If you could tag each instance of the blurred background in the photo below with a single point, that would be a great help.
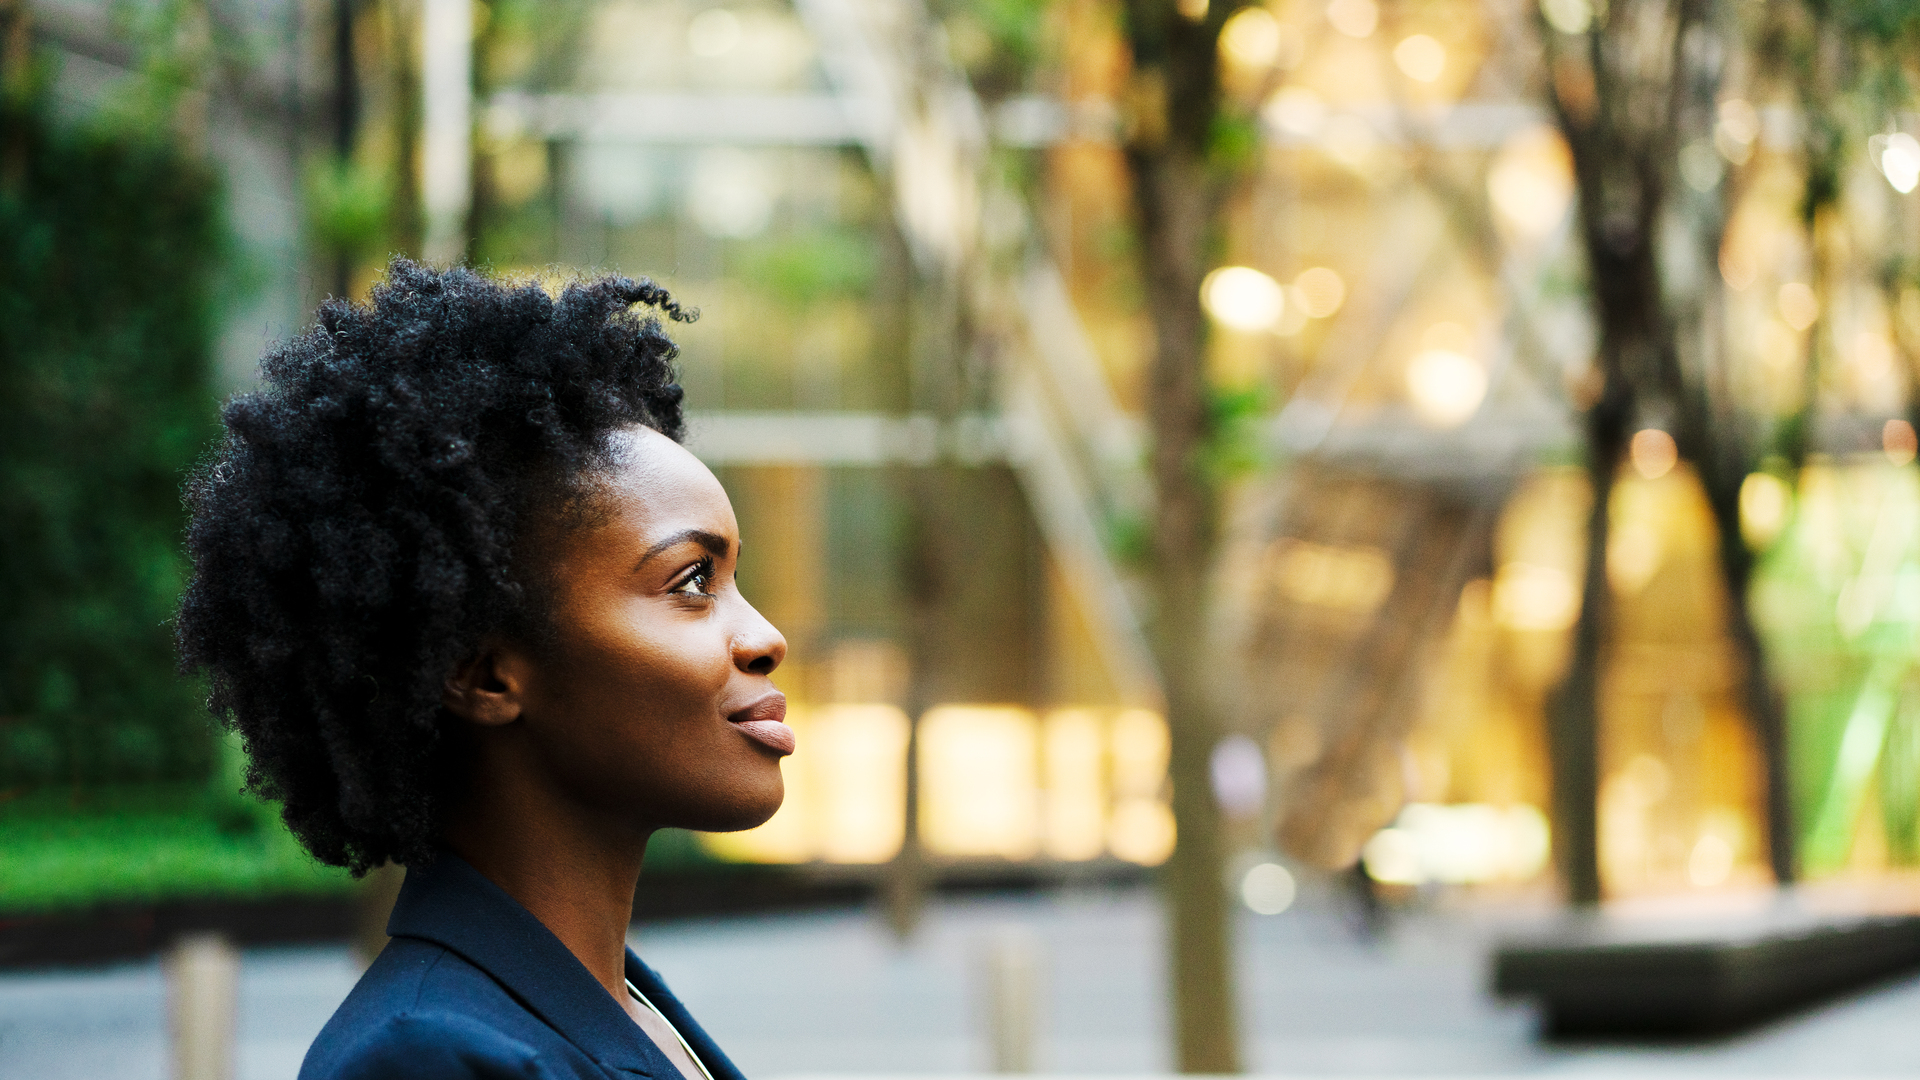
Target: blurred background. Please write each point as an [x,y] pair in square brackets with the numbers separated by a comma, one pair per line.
[1250,489]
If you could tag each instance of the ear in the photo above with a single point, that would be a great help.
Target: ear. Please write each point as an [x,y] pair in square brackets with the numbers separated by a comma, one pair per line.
[490,689]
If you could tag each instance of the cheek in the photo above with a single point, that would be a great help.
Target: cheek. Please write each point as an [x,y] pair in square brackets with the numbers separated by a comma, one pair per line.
[635,727]
[647,695]
[635,658]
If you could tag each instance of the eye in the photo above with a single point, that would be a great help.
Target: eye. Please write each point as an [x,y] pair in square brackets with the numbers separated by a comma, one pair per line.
[697,580]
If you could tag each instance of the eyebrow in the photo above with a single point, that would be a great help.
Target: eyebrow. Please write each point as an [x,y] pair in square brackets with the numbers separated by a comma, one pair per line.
[713,542]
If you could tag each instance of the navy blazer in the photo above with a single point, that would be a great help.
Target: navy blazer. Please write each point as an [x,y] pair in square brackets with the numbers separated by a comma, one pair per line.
[473,986]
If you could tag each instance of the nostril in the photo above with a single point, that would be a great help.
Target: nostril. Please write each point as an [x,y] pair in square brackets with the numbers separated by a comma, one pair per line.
[761,665]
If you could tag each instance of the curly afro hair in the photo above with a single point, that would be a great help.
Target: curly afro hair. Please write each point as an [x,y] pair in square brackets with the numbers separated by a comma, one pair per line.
[353,538]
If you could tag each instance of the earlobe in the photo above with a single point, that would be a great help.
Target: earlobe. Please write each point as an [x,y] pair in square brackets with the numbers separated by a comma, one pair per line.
[487,689]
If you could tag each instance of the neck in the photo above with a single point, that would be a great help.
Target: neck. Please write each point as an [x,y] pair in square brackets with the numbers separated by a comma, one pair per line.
[570,867]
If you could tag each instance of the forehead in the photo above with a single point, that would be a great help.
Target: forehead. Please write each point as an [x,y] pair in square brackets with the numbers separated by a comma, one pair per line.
[657,486]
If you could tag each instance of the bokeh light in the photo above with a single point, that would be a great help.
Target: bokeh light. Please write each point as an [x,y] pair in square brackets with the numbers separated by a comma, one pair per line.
[1252,38]
[1897,441]
[1075,801]
[1243,298]
[1653,453]
[1141,829]
[1350,140]
[1459,844]
[1239,773]
[979,781]
[1736,129]
[1528,596]
[1798,306]
[1354,18]
[1355,578]
[1296,110]
[1446,386]
[1898,156]
[1531,181]
[860,781]
[1568,16]
[1710,863]
[1268,888]
[1420,58]
[1765,501]
[1321,291]
[1635,552]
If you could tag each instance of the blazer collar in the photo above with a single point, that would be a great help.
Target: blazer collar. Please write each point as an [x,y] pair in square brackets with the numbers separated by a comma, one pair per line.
[450,903]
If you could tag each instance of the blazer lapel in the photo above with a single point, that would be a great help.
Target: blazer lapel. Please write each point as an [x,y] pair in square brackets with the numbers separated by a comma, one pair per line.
[710,1054]
[452,904]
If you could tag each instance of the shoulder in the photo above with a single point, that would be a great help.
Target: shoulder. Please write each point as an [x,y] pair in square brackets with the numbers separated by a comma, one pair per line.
[423,1011]
[431,1046]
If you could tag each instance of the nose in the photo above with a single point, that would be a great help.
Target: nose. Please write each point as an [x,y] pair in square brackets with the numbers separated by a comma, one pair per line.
[758,646]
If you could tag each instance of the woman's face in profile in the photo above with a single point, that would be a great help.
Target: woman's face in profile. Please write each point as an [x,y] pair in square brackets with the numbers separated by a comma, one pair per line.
[655,703]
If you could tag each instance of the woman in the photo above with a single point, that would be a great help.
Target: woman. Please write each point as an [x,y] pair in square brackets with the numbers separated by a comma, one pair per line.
[472,609]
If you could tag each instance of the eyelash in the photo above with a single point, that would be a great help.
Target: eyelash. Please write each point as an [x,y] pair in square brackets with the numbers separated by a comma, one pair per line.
[702,572]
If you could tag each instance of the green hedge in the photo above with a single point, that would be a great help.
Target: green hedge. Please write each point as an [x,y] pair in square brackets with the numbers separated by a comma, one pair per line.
[111,255]
[70,860]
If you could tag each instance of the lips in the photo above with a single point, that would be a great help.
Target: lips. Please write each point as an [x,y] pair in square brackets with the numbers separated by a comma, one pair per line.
[764,721]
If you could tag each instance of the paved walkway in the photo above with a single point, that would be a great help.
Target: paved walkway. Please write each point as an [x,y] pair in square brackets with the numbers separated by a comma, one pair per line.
[832,992]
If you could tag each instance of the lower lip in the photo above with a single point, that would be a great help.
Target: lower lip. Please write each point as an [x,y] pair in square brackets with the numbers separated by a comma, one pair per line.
[769,733]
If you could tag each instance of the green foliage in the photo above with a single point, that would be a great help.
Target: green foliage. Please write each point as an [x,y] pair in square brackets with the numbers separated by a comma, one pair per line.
[999,42]
[532,43]
[1883,21]
[1853,695]
[1015,25]
[1900,785]
[1233,143]
[110,244]
[1236,424]
[175,45]
[1792,436]
[1130,541]
[1848,62]
[810,267]
[348,206]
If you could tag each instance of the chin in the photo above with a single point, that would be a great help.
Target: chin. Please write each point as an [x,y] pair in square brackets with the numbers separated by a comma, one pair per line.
[744,809]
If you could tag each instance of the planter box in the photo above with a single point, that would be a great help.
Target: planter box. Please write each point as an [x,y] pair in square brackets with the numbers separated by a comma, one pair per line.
[1601,977]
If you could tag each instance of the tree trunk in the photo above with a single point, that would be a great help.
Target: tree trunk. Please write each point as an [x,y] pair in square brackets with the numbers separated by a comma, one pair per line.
[1174,199]
[346,119]
[1710,438]
[1573,711]
[483,196]
[405,226]
[1713,434]
[1614,98]
[1173,109]
[1766,710]
[1625,104]
[904,886]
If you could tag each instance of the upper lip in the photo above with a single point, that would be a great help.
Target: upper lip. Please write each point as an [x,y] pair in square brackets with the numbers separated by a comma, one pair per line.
[771,705]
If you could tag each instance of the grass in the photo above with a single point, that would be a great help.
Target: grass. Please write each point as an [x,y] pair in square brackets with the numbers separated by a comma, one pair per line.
[145,846]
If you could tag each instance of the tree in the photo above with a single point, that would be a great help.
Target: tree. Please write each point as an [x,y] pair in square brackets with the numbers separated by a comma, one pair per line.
[1183,155]
[1634,87]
